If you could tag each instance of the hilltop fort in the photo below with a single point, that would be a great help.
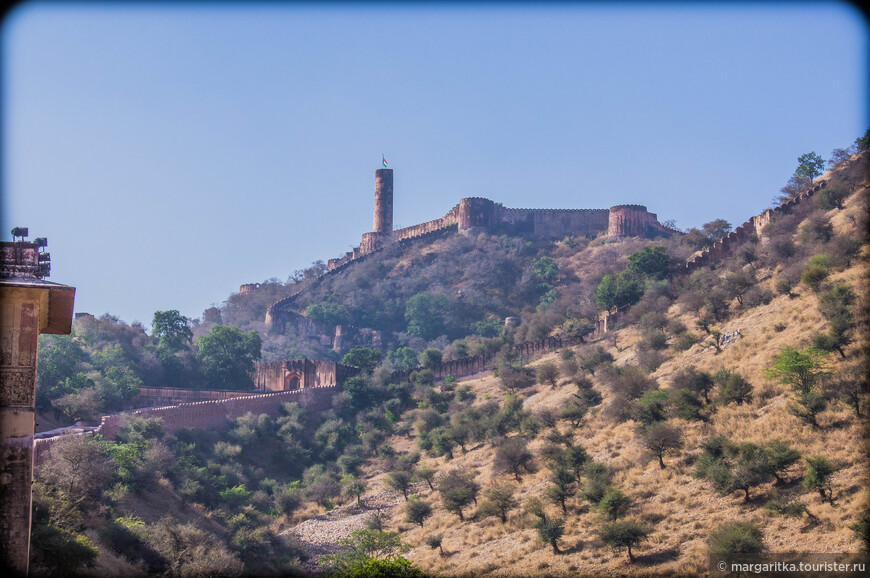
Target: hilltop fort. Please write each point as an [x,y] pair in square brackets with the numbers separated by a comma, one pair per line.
[470,216]
[475,214]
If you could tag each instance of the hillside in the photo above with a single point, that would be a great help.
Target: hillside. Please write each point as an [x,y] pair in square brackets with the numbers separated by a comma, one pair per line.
[565,439]
[681,509]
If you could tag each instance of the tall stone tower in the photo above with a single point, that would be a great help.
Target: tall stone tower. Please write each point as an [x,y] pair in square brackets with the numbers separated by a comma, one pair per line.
[383,201]
[29,305]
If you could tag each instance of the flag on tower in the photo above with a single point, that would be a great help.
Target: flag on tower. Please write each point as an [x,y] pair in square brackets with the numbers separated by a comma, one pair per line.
[383,160]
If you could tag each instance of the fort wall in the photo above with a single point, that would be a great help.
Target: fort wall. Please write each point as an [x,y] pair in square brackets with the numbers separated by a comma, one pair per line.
[154,396]
[550,223]
[753,229]
[203,414]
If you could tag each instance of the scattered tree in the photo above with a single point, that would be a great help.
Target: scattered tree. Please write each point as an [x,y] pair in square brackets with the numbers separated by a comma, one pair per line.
[547,372]
[172,330]
[563,486]
[228,356]
[399,481]
[852,386]
[731,467]
[458,490]
[815,272]
[425,314]
[651,261]
[434,541]
[835,305]
[661,438]
[597,482]
[861,528]
[810,166]
[624,534]
[614,504]
[802,369]
[430,357]
[732,387]
[550,530]
[417,510]
[818,478]
[364,358]
[498,501]
[513,456]
[425,473]
[352,486]
[780,457]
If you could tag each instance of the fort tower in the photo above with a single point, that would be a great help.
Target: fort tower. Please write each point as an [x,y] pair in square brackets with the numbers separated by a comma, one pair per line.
[383,201]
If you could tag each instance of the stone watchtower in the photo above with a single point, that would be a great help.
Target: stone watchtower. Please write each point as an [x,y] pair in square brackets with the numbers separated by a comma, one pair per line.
[29,305]
[383,225]
[383,201]
[630,221]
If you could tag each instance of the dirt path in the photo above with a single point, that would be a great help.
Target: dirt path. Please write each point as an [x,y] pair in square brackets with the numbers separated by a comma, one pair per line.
[321,534]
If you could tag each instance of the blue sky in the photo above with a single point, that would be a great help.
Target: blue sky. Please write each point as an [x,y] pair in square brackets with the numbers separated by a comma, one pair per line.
[172,152]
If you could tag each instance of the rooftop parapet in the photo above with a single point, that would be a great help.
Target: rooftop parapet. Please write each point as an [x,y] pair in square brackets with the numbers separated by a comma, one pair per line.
[24,259]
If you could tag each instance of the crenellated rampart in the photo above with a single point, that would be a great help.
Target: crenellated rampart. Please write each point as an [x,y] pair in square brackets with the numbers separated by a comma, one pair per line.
[485,362]
[203,414]
[281,313]
[748,231]
[151,396]
[421,229]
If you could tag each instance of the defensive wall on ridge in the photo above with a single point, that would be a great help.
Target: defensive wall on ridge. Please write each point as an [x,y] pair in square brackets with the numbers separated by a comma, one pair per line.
[748,231]
[203,414]
[480,214]
[153,396]
[267,377]
[484,362]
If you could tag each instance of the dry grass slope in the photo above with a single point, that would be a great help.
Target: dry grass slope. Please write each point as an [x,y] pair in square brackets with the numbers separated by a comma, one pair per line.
[682,509]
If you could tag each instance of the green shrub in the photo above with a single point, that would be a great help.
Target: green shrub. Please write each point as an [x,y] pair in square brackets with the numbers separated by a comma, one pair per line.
[782,505]
[815,272]
[684,341]
[61,551]
[614,504]
[861,528]
[818,477]
[736,538]
[236,496]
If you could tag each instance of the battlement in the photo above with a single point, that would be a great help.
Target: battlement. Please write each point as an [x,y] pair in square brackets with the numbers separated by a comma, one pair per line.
[750,230]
